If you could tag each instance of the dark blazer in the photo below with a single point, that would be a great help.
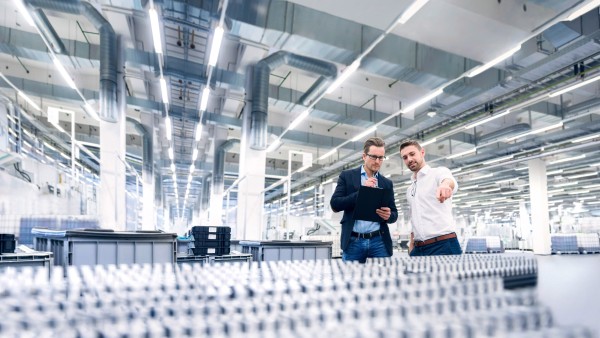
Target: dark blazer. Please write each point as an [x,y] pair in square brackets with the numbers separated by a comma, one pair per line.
[344,199]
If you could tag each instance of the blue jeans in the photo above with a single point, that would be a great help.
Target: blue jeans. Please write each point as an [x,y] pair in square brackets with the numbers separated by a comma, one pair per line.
[447,247]
[359,249]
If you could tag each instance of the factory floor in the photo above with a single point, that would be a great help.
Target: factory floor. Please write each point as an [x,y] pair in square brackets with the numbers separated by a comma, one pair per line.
[569,285]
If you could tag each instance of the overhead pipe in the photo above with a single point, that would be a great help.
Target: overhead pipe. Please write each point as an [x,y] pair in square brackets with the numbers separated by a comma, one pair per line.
[108,50]
[147,158]
[205,192]
[219,165]
[260,95]
[42,22]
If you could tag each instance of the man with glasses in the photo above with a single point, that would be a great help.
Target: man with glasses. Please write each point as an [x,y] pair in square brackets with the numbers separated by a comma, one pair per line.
[362,239]
[430,201]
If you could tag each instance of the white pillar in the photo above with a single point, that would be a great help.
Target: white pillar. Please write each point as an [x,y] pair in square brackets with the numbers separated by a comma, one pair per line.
[215,213]
[148,188]
[251,199]
[112,174]
[112,211]
[538,194]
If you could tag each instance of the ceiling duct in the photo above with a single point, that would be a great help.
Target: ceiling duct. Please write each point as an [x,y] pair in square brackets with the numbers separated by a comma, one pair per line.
[219,165]
[108,50]
[205,192]
[511,130]
[260,97]
[41,21]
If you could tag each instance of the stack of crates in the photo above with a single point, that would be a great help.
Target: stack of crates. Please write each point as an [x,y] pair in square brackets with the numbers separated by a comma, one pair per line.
[564,244]
[7,243]
[214,241]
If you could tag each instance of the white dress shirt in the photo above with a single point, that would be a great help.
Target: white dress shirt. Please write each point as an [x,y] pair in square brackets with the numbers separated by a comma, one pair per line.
[429,217]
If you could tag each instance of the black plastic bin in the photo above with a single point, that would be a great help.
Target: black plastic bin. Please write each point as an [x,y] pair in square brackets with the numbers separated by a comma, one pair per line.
[7,243]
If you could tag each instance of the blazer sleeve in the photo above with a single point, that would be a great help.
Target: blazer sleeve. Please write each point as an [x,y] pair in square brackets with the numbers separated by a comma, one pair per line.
[392,203]
[343,199]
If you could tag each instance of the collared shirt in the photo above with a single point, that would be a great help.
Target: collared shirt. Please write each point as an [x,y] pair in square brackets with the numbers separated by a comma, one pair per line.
[429,217]
[365,226]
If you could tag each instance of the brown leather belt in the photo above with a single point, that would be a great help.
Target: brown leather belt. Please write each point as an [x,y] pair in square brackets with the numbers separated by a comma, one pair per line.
[436,239]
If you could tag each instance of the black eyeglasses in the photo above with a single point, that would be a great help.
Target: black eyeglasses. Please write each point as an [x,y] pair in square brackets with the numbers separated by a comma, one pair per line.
[375,157]
[413,189]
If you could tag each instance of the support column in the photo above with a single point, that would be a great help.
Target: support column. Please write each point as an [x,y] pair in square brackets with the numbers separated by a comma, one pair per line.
[112,174]
[216,197]
[112,211]
[148,189]
[251,198]
[540,219]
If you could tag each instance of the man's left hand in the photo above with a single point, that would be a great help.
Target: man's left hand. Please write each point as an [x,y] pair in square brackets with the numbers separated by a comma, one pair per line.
[384,213]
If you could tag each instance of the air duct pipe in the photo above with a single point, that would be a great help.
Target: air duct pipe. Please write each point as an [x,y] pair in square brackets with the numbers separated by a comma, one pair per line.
[41,21]
[108,50]
[260,96]
[219,165]
[147,158]
[205,192]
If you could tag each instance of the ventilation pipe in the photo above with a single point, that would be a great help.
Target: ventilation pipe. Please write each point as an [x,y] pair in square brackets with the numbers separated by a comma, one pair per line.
[108,50]
[205,192]
[41,21]
[219,165]
[260,96]
[147,158]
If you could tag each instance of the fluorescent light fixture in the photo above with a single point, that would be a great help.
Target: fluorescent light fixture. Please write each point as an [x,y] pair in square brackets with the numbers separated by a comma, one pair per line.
[585,138]
[155,30]
[480,177]
[63,72]
[508,180]
[596,202]
[567,159]
[592,186]
[298,119]
[574,86]
[216,46]
[190,177]
[537,131]
[566,184]
[480,69]
[192,168]
[170,153]
[553,172]
[274,145]
[169,127]
[195,154]
[470,187]
[470,151]
[309,189]
[49,146]
[163,90]
[411,10]
[173,168]
[550,127]
[175,179]
[521,168]
[364,133]
[456,170]
[426,143]
[578,192]
[204,100]
[488,119]
[583,175]
[26,98]
[584,9]
[329,153]
[595,164]
[499,159]
[198,133]
[90,111]
[423,100]
[343,76]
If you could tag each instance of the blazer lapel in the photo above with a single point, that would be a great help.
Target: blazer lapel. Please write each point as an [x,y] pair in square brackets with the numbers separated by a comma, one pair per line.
[356,179]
